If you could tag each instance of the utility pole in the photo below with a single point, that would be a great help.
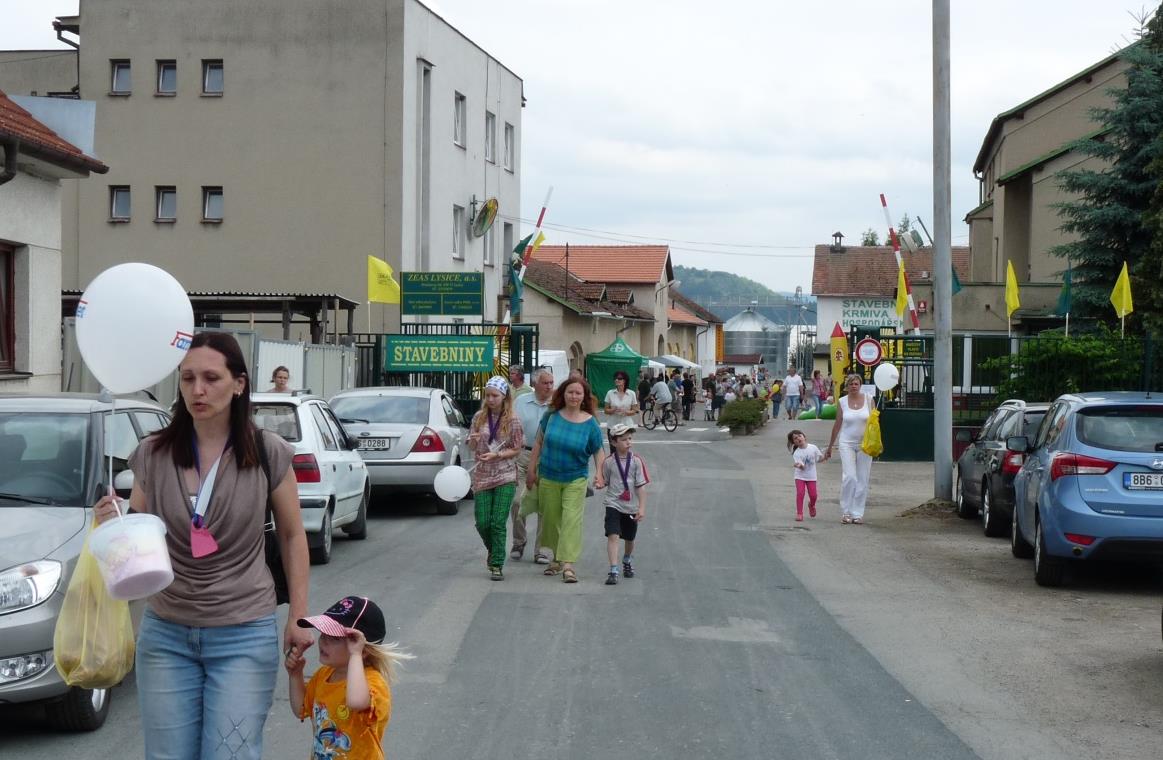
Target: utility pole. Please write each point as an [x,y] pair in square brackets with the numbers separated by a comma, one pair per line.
[942,260]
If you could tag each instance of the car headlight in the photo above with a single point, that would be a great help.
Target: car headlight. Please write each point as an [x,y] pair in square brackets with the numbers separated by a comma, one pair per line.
[28,585]
[24,666]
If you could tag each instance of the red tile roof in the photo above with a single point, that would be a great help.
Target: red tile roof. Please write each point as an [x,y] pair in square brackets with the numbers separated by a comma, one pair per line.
[576,294]
[626,264]
[698,310]
[681,316]
[39,141]
[871,270]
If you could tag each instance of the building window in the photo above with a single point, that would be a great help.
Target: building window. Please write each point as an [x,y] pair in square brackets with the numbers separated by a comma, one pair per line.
[510,146]
[490,137]
[212,81]
[460,119]
[167,204]
[7,312]
[458,230]
[490,243]
[120,82]
[211,204]
[167,77]
[119,203]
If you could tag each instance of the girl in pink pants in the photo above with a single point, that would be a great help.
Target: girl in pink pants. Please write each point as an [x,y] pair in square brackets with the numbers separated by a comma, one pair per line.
[804,457]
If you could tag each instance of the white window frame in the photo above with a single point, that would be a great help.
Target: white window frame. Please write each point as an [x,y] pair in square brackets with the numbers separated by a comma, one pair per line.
[490,137]
[458,232]
[208,65]
[208,192]
[459,119]
[160,192]
[116,191]
[510,145]
[117,65]
[162,67]
[490,246]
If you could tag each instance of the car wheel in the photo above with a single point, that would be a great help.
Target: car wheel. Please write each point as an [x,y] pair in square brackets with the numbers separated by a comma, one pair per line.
[964,511]
[447,507]
[991,524]
[1048,571]
[1019,547]
[358,529]
[321,554]
[79,710]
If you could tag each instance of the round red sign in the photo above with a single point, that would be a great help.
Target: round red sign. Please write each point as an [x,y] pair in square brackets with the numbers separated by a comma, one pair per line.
[869,352]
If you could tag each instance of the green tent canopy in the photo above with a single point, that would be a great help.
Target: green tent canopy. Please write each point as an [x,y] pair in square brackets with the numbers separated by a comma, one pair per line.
[600,367]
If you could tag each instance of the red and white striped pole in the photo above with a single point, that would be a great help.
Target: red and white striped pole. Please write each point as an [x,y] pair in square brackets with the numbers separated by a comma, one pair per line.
[528,252]
[896,251]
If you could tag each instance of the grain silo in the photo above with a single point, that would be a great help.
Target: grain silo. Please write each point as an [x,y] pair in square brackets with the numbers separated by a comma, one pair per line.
[749,332]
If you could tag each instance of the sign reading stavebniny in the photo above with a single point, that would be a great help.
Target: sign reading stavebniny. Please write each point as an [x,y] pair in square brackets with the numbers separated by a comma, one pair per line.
[455,293]
[438,353]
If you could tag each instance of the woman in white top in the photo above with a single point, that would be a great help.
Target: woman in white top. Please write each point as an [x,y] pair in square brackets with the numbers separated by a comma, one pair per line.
[621,404]
[851,419]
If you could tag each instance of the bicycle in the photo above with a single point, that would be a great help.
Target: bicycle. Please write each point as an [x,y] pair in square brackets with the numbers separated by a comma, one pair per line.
[651,418]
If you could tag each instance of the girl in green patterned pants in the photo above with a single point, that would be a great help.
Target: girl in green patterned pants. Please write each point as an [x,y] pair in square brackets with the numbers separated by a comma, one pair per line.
[496,438]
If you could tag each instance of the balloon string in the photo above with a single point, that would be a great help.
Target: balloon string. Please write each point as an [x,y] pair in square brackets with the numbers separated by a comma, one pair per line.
[109,455]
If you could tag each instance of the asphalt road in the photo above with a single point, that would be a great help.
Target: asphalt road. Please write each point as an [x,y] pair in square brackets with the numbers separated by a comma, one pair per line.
[714,650]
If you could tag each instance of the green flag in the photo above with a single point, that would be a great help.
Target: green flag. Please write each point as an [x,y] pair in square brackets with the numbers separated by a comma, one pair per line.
[956,287]
[1063,307]
[516,286]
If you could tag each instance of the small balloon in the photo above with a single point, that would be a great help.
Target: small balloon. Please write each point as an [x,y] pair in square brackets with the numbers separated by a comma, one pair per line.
[886,376]
[452,483]
[134,325]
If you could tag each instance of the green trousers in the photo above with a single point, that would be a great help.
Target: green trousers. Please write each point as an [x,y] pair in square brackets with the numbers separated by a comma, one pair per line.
[562,508]
[492,510]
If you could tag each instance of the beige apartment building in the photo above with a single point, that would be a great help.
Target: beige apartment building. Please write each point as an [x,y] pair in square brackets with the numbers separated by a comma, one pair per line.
[1021,157]
[270,146]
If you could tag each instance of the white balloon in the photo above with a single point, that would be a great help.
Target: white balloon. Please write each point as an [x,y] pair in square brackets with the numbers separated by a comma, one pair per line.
[134,325]
[452,483]
[886,376]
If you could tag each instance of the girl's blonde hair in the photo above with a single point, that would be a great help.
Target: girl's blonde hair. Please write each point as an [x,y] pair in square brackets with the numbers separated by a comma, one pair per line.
[481,417]
[383,658]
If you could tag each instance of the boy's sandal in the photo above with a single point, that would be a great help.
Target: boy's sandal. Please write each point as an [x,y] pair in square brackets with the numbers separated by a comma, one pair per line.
[553,569]
[857,521]
[568,575]
[846,519]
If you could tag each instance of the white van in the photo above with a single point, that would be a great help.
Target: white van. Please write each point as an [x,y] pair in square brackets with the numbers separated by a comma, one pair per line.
[556,361]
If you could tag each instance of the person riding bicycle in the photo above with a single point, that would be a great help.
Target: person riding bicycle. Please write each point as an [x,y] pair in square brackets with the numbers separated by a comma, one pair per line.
[660,394]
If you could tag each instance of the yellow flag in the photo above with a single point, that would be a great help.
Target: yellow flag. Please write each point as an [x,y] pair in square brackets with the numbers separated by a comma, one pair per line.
[1013,299]
[381,286]
[902,296]
[537,241]
[1121,295]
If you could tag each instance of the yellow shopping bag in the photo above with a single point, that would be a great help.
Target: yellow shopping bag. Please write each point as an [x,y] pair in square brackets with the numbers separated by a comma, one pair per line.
[872,445]
[93,642]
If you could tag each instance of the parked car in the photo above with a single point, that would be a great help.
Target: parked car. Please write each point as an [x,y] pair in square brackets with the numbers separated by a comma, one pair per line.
[52,468]
[333,481]
[986,469]
[1092,484]
[406,435]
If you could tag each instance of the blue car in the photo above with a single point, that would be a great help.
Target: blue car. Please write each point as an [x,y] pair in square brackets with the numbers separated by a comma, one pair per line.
[1092,484]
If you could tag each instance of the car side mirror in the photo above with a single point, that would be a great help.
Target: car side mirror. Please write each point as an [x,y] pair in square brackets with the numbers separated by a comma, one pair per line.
[1018,443]
[352,443]
[123,483]
[963,436]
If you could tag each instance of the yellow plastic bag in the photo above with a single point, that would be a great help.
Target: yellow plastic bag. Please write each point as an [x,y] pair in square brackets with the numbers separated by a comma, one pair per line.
[872,445]
[93,643]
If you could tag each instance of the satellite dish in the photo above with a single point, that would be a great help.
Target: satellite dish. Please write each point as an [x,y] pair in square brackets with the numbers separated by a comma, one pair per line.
[485,217]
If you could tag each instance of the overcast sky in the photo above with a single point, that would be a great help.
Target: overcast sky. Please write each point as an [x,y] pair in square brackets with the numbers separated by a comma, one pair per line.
[745,135]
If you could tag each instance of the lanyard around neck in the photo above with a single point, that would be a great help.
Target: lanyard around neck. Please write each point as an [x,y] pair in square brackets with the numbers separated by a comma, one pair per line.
[201,498]
[624,473]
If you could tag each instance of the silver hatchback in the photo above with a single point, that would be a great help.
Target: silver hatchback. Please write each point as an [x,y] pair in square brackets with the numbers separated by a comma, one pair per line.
[405,435]
[52,467]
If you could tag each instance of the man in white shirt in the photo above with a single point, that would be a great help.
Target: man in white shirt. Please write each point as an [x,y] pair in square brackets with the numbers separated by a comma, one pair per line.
[529,408]
[793,388]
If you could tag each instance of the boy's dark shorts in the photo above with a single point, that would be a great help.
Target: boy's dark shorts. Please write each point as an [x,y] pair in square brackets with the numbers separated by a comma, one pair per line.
[620,524]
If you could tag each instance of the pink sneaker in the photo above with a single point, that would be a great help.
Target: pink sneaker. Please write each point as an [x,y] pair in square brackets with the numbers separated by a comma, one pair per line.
[800,517]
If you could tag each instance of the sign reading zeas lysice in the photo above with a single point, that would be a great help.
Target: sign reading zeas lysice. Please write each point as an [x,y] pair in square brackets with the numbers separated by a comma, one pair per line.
[438,353]
[453,293]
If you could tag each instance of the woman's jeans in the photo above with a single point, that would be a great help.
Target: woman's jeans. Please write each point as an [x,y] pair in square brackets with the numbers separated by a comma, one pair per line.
[204,693]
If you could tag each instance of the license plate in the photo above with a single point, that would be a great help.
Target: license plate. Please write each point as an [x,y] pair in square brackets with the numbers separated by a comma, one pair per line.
[375,444]
[1143,481]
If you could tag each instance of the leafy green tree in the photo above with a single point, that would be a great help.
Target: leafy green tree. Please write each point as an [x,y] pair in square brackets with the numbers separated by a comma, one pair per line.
[869,237]
[1050,364]
[904,225]
[1111,213]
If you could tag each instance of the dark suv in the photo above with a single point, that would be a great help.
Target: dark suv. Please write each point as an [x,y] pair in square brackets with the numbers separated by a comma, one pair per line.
[986,470]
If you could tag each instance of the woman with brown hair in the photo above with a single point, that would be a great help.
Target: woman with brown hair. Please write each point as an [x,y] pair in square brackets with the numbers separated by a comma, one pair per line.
[566,438]
[208,646]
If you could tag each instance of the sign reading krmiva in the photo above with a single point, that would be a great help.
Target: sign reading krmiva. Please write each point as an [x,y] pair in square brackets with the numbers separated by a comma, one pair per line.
[455,293]
[871,312]
[438,353]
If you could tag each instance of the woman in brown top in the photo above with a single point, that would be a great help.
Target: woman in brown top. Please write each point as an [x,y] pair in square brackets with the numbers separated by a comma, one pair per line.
[207,650]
